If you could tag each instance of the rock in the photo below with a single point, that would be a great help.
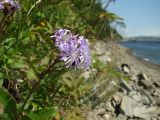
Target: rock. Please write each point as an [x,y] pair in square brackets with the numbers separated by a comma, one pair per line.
[147,94]
[101,111]
[121,117]
[145,84]
[142,76]
[117,99]
[137,97]
[125,68]
[99,48]
[99,118]
[145,100]
[142,111]
[157,84]
[107,116]
[108,106]
[141,98]
[104,58]
[157,99]
[133,92]
[122,90]
[156,92]
[155,118]
[92,116]
[133,78]
[127,106]
[126,86]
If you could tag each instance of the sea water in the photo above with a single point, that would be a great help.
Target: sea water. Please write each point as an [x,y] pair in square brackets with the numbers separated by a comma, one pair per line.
[147,50]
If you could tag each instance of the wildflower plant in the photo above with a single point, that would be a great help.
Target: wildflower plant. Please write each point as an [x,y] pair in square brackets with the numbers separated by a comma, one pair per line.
[40,71]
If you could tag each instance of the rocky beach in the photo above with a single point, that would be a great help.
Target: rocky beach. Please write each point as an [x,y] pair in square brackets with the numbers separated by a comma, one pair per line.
[136,99]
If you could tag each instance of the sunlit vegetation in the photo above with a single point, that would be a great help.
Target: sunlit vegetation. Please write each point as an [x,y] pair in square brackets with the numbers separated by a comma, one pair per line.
[32,86]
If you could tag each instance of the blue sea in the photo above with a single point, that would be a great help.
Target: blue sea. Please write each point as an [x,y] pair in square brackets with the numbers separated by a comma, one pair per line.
[148,50]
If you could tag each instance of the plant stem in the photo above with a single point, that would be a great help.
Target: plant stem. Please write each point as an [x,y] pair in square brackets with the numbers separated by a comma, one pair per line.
[36,86]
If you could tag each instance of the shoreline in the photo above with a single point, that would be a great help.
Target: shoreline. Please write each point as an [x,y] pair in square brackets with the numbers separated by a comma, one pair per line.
[149,58]
[138,97]
[121,54]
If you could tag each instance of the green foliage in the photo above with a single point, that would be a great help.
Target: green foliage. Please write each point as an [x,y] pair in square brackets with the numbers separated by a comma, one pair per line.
[9,105]
[75,115]
[28,56]
[43,114]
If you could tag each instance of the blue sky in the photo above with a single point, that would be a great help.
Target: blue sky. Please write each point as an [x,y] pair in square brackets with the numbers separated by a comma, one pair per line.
[142,17]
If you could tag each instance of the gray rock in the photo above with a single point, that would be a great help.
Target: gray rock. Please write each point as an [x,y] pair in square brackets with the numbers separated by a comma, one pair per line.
[107,116]
[92,116]
[145,84]
[125,86]
[99,48]
[127,106]
[121,117]
[137,97]
[157,84]
[108,106]
[141,98]
[142,111]
[125,68]
[104,58]
[142,76]
[101,111]
[122,90]
[133,78]
[133,92]
[157,100]
[147,94]
[155,118]
[156,92]
[117,99]
[145,100]
[99,118]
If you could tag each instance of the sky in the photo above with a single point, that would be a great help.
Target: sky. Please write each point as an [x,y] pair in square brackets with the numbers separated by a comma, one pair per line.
[142,17]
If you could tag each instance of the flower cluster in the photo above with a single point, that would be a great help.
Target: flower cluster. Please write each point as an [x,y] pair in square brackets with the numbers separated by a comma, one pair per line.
[8,6]
[74,49]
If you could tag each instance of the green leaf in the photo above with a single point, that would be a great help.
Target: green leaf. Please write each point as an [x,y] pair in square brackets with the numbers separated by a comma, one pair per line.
[43,114]
[9,104]
[19,64]
[1,78]
[68,83]
[45,61]
[31,75]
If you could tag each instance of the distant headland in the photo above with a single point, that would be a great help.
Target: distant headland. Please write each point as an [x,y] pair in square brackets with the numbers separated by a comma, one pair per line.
[142,38]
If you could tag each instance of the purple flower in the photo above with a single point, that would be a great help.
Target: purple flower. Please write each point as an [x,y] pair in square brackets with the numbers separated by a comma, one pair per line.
[1,7]
[74,49]
[85,50]
[62,39]
[9,6]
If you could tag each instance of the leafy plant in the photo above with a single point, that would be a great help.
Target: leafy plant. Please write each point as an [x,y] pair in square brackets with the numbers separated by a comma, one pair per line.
[35,85]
